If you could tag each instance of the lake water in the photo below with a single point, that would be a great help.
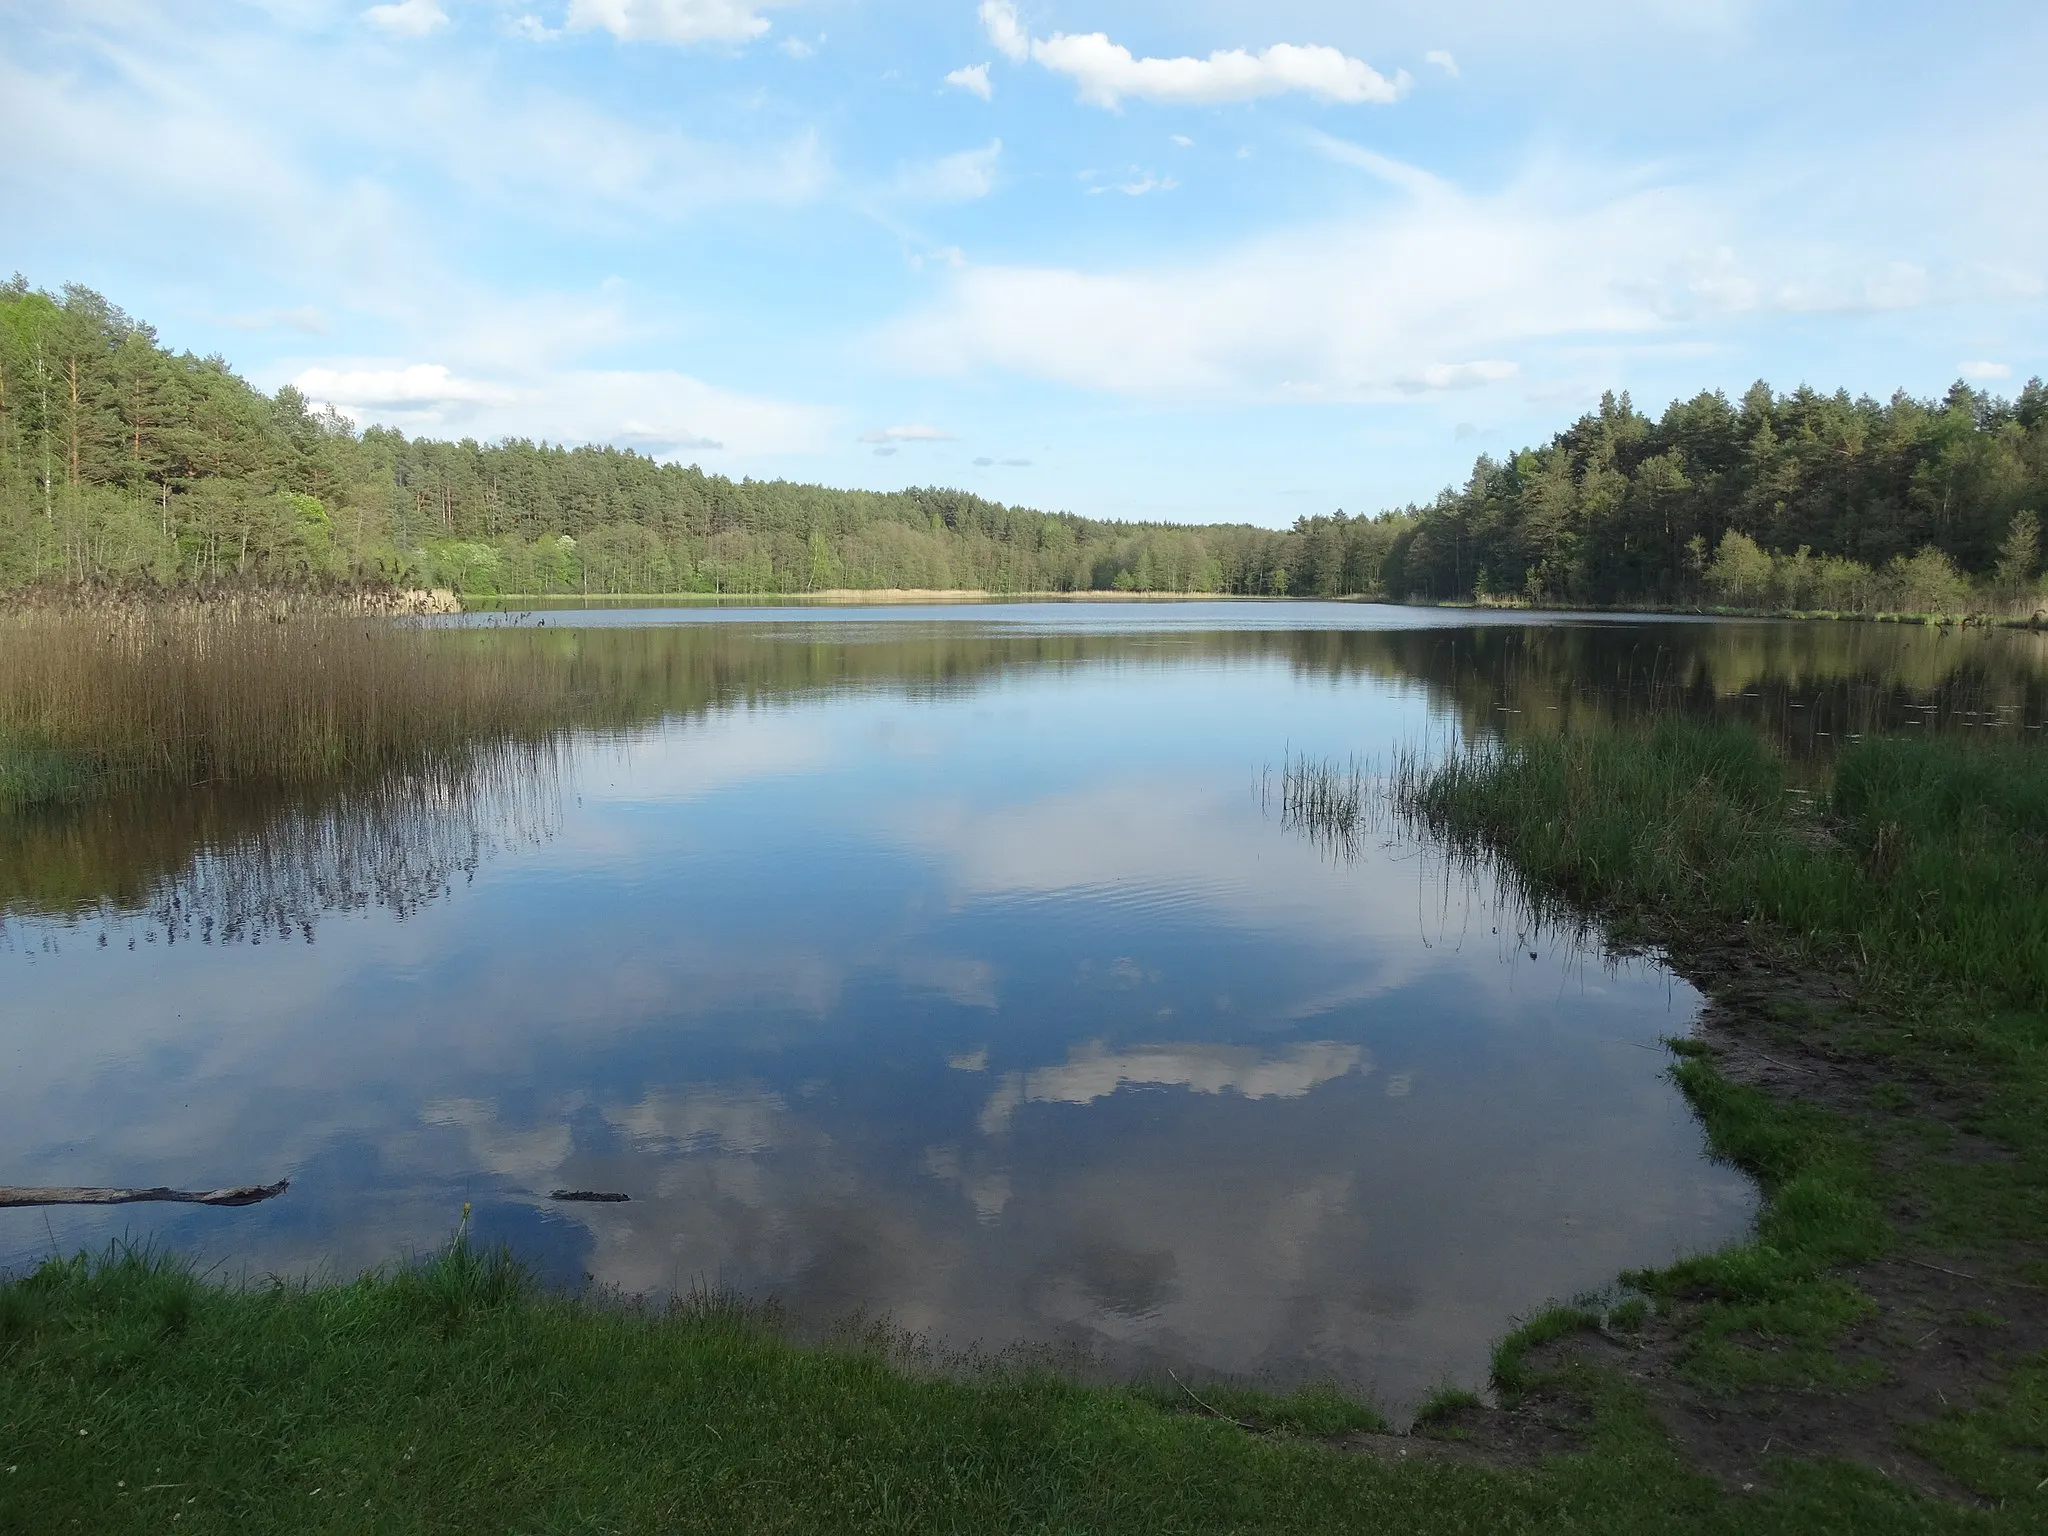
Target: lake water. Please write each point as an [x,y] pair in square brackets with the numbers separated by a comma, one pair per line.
[955,967]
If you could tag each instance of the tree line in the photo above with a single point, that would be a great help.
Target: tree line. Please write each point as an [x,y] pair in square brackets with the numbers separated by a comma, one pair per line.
[124,464]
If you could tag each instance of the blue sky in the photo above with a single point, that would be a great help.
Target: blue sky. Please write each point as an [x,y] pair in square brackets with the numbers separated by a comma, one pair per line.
[1202,260]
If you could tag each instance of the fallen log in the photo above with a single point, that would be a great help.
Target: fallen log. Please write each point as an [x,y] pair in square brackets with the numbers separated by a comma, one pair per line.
[241,1194]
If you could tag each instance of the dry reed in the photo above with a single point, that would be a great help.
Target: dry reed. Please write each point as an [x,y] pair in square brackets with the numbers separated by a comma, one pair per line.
[251,694]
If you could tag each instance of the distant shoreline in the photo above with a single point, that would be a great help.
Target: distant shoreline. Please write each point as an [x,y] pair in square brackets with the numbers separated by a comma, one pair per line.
[853,597]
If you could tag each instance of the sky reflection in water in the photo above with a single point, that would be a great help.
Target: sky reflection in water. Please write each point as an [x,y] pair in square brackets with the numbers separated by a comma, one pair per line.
[1002,1008]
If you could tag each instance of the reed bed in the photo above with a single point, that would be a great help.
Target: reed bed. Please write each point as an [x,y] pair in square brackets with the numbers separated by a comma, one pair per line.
[253,694]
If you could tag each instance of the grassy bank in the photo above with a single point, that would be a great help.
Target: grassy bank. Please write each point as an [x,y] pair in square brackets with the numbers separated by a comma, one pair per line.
[1875,939]
[450,1397]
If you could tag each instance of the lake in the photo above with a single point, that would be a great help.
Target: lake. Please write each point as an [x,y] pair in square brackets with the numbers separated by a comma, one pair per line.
[960,969]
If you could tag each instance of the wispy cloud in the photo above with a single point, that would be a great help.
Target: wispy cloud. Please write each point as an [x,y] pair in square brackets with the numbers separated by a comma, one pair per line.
[916,432]
[1396,173]
[660,412]
[1368,307]
[679,22]
[1107,73]
[1137,186]
[407,18]
[1442,59]
[956,178]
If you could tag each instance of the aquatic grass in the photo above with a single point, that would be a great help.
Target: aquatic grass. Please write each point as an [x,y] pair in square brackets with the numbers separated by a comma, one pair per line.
[1327,801]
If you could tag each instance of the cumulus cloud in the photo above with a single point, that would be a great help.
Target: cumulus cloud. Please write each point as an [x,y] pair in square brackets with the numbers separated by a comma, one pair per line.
[407,18]
[916,432]
[973,79]
[672,21]
[659,412]
[957,178]
[1442,59]
[1987,372]
[1106,73]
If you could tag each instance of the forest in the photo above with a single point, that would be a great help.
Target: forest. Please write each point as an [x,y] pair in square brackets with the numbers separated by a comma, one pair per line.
[127,466]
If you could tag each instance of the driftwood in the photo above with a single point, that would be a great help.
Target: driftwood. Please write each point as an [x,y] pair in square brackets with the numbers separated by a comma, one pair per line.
[241,1194]
[600,1195]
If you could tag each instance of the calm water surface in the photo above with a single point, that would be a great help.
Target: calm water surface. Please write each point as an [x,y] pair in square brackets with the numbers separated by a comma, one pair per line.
[949,967]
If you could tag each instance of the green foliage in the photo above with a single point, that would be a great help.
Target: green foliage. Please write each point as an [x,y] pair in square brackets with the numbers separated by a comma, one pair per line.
[1803,501]
[2020,555]
[122,463]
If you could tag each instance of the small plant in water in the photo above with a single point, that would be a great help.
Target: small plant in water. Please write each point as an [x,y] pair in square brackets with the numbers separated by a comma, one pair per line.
[1325,800]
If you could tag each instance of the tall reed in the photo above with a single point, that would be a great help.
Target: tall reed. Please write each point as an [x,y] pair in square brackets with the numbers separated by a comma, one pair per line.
[249,694]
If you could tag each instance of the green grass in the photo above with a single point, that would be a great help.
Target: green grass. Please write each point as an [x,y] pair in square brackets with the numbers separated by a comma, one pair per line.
[451,1396]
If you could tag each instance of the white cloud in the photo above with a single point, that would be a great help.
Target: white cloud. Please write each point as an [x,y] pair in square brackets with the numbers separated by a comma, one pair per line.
[397,389]
[1092,1072]
[916,432]
[659,412]
[1138,186]
[1182,141]
[973,79]
[1107,73]
[1435,289]
[1362,307]
[797,48]
[1439,376]
[407,18]
[999,17]
[957,178]
[1987,372]
[1442,59]
[672,21]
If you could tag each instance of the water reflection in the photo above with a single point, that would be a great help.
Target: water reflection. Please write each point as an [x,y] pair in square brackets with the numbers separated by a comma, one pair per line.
[950,972]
